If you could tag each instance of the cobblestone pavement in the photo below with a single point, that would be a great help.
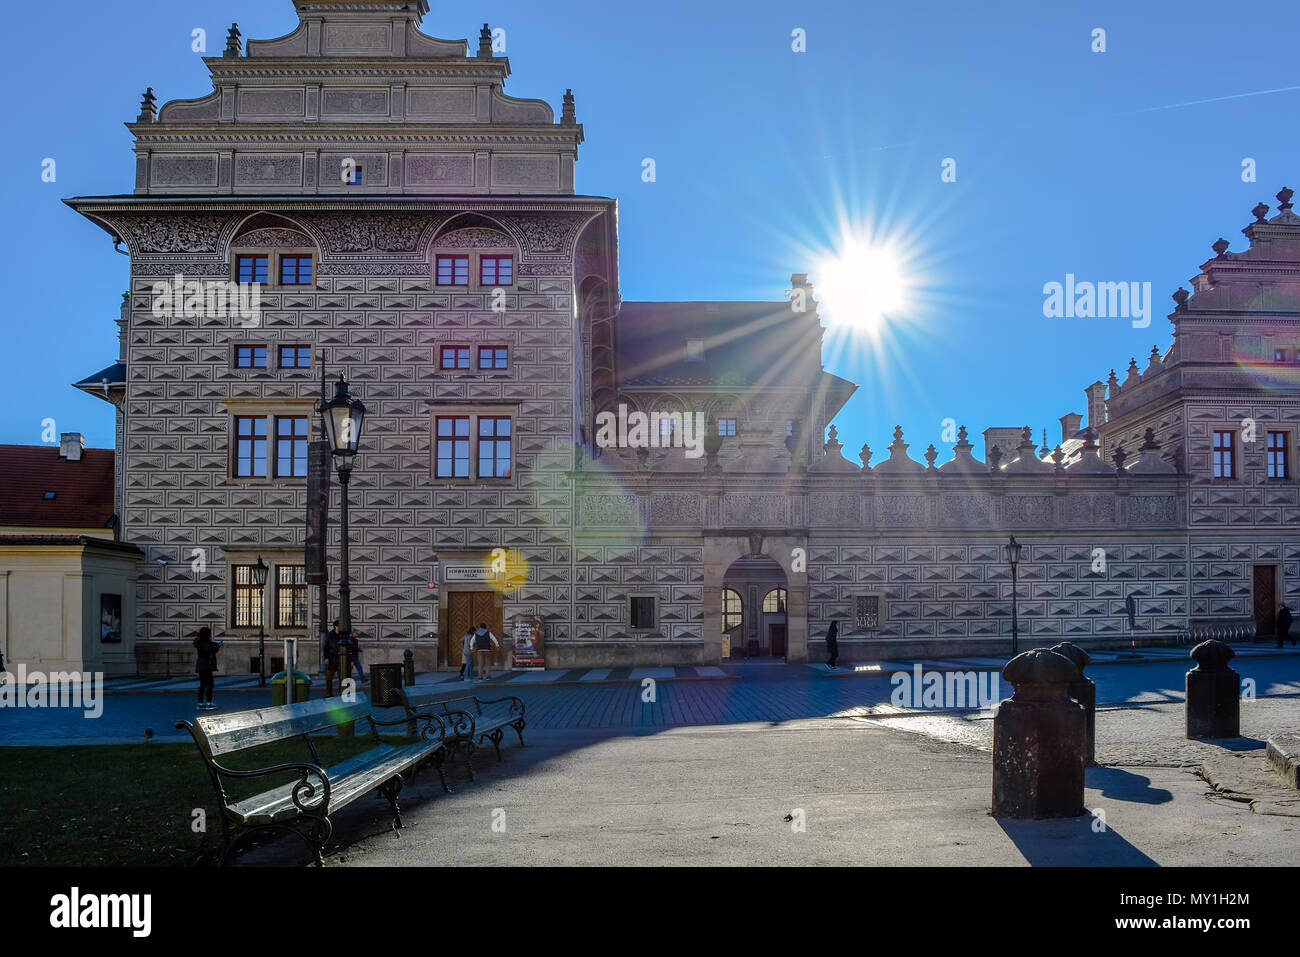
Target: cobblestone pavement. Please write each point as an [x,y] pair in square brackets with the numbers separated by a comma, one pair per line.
[755,693]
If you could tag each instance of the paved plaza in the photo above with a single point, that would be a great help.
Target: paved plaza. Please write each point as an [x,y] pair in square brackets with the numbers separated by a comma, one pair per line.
[766,764]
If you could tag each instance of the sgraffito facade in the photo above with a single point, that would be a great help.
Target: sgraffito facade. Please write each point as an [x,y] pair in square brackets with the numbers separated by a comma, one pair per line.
[409,225]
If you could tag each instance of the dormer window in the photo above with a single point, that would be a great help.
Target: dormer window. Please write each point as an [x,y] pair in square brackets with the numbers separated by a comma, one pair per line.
[694,350]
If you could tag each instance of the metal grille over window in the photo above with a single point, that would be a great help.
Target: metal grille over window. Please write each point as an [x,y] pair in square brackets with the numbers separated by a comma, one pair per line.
[291,596]
[866,612]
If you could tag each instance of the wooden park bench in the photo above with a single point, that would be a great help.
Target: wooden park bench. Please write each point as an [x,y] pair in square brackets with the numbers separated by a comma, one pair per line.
[303,808]
[470,727]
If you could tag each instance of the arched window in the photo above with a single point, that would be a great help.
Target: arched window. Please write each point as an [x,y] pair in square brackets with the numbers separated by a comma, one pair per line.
[774,602]
[733,613]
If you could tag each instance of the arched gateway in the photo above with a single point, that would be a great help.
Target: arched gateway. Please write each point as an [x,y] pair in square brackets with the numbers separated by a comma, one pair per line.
[753,585]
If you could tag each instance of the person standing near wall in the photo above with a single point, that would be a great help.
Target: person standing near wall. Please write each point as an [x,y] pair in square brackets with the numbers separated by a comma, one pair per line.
[206,666]
[1284,625]
[485,644]
[833,644]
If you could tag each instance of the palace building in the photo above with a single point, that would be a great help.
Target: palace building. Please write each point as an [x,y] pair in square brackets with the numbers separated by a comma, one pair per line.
[410,225]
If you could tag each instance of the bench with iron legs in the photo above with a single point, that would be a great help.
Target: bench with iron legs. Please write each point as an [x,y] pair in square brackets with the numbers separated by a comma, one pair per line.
[303,808]
[471,727]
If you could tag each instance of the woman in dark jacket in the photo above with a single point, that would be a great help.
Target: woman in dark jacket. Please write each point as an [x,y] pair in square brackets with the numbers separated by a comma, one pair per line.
[833,643]
[207,664]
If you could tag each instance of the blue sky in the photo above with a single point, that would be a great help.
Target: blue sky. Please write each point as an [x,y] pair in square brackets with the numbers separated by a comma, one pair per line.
[1068,161]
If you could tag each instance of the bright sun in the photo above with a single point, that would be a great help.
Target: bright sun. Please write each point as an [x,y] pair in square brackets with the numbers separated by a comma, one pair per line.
[861,286]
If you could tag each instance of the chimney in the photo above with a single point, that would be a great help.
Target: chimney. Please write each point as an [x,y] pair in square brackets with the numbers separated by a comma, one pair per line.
[1070,423]
[1096,394]
[71,445]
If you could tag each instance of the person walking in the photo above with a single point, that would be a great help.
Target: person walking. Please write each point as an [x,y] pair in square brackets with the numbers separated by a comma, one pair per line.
[331,653]
[1284,625]
[206,665]
[833,644]
[467,655]
[484,644]
[354,652]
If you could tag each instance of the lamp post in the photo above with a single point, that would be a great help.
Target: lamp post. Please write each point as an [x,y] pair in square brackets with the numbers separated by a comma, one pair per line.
[343,417]
[1013,557]
[259,579]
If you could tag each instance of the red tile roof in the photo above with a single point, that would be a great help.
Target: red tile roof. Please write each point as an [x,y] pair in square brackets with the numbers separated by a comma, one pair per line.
[83,490]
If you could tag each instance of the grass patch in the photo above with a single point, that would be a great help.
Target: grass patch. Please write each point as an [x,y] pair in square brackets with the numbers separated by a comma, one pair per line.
[131,804]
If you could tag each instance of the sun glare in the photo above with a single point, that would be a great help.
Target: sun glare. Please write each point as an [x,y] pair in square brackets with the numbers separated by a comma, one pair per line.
[861,287]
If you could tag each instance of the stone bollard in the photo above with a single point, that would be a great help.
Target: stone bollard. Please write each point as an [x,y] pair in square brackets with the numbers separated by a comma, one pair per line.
[1038,736]
[408,664]
[1213,693]
[1084,691]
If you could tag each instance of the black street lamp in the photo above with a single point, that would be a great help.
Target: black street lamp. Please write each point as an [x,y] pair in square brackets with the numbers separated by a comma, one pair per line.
[259,579]
[343,416]
[1013,558]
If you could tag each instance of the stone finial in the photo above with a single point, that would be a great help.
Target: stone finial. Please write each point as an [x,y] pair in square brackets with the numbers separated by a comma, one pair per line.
[148,108]
[1149,443]
[865,455]
[1132,365]
[643,456]
[1068,649]
[995,457]
[1027,435]
[568,113]
[1119,456]
[1040,674]
[1058,456]
[485,43]
[1212,655]
[1220,247]
[1155,354]
[834,435]
[931,454]
[898,433]
[961,435]
[1259,212]
[233,47]
[1181,295]
[1112,383]
[1284,198]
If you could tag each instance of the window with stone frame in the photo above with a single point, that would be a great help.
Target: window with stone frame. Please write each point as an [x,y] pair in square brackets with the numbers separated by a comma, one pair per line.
[1278,453]
[452,270]
[726,427]
[291,607]
[474,442]
[1223,454]
[774,602]
[245,598]
[496,269]
[252,267]
[453,357]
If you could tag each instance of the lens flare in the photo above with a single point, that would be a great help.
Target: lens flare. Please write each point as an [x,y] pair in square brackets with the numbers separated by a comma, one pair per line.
[862,286]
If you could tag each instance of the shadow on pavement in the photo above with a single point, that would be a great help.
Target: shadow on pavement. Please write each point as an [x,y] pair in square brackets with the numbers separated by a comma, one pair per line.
[1121,785]
[1072,842]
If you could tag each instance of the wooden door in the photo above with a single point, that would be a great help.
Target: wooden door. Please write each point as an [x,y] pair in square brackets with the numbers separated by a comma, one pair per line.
[777,635]
[465,609]
[1265,601]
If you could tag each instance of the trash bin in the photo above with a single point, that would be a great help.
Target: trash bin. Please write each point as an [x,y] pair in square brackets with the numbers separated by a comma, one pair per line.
[301,687]
[384,682]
